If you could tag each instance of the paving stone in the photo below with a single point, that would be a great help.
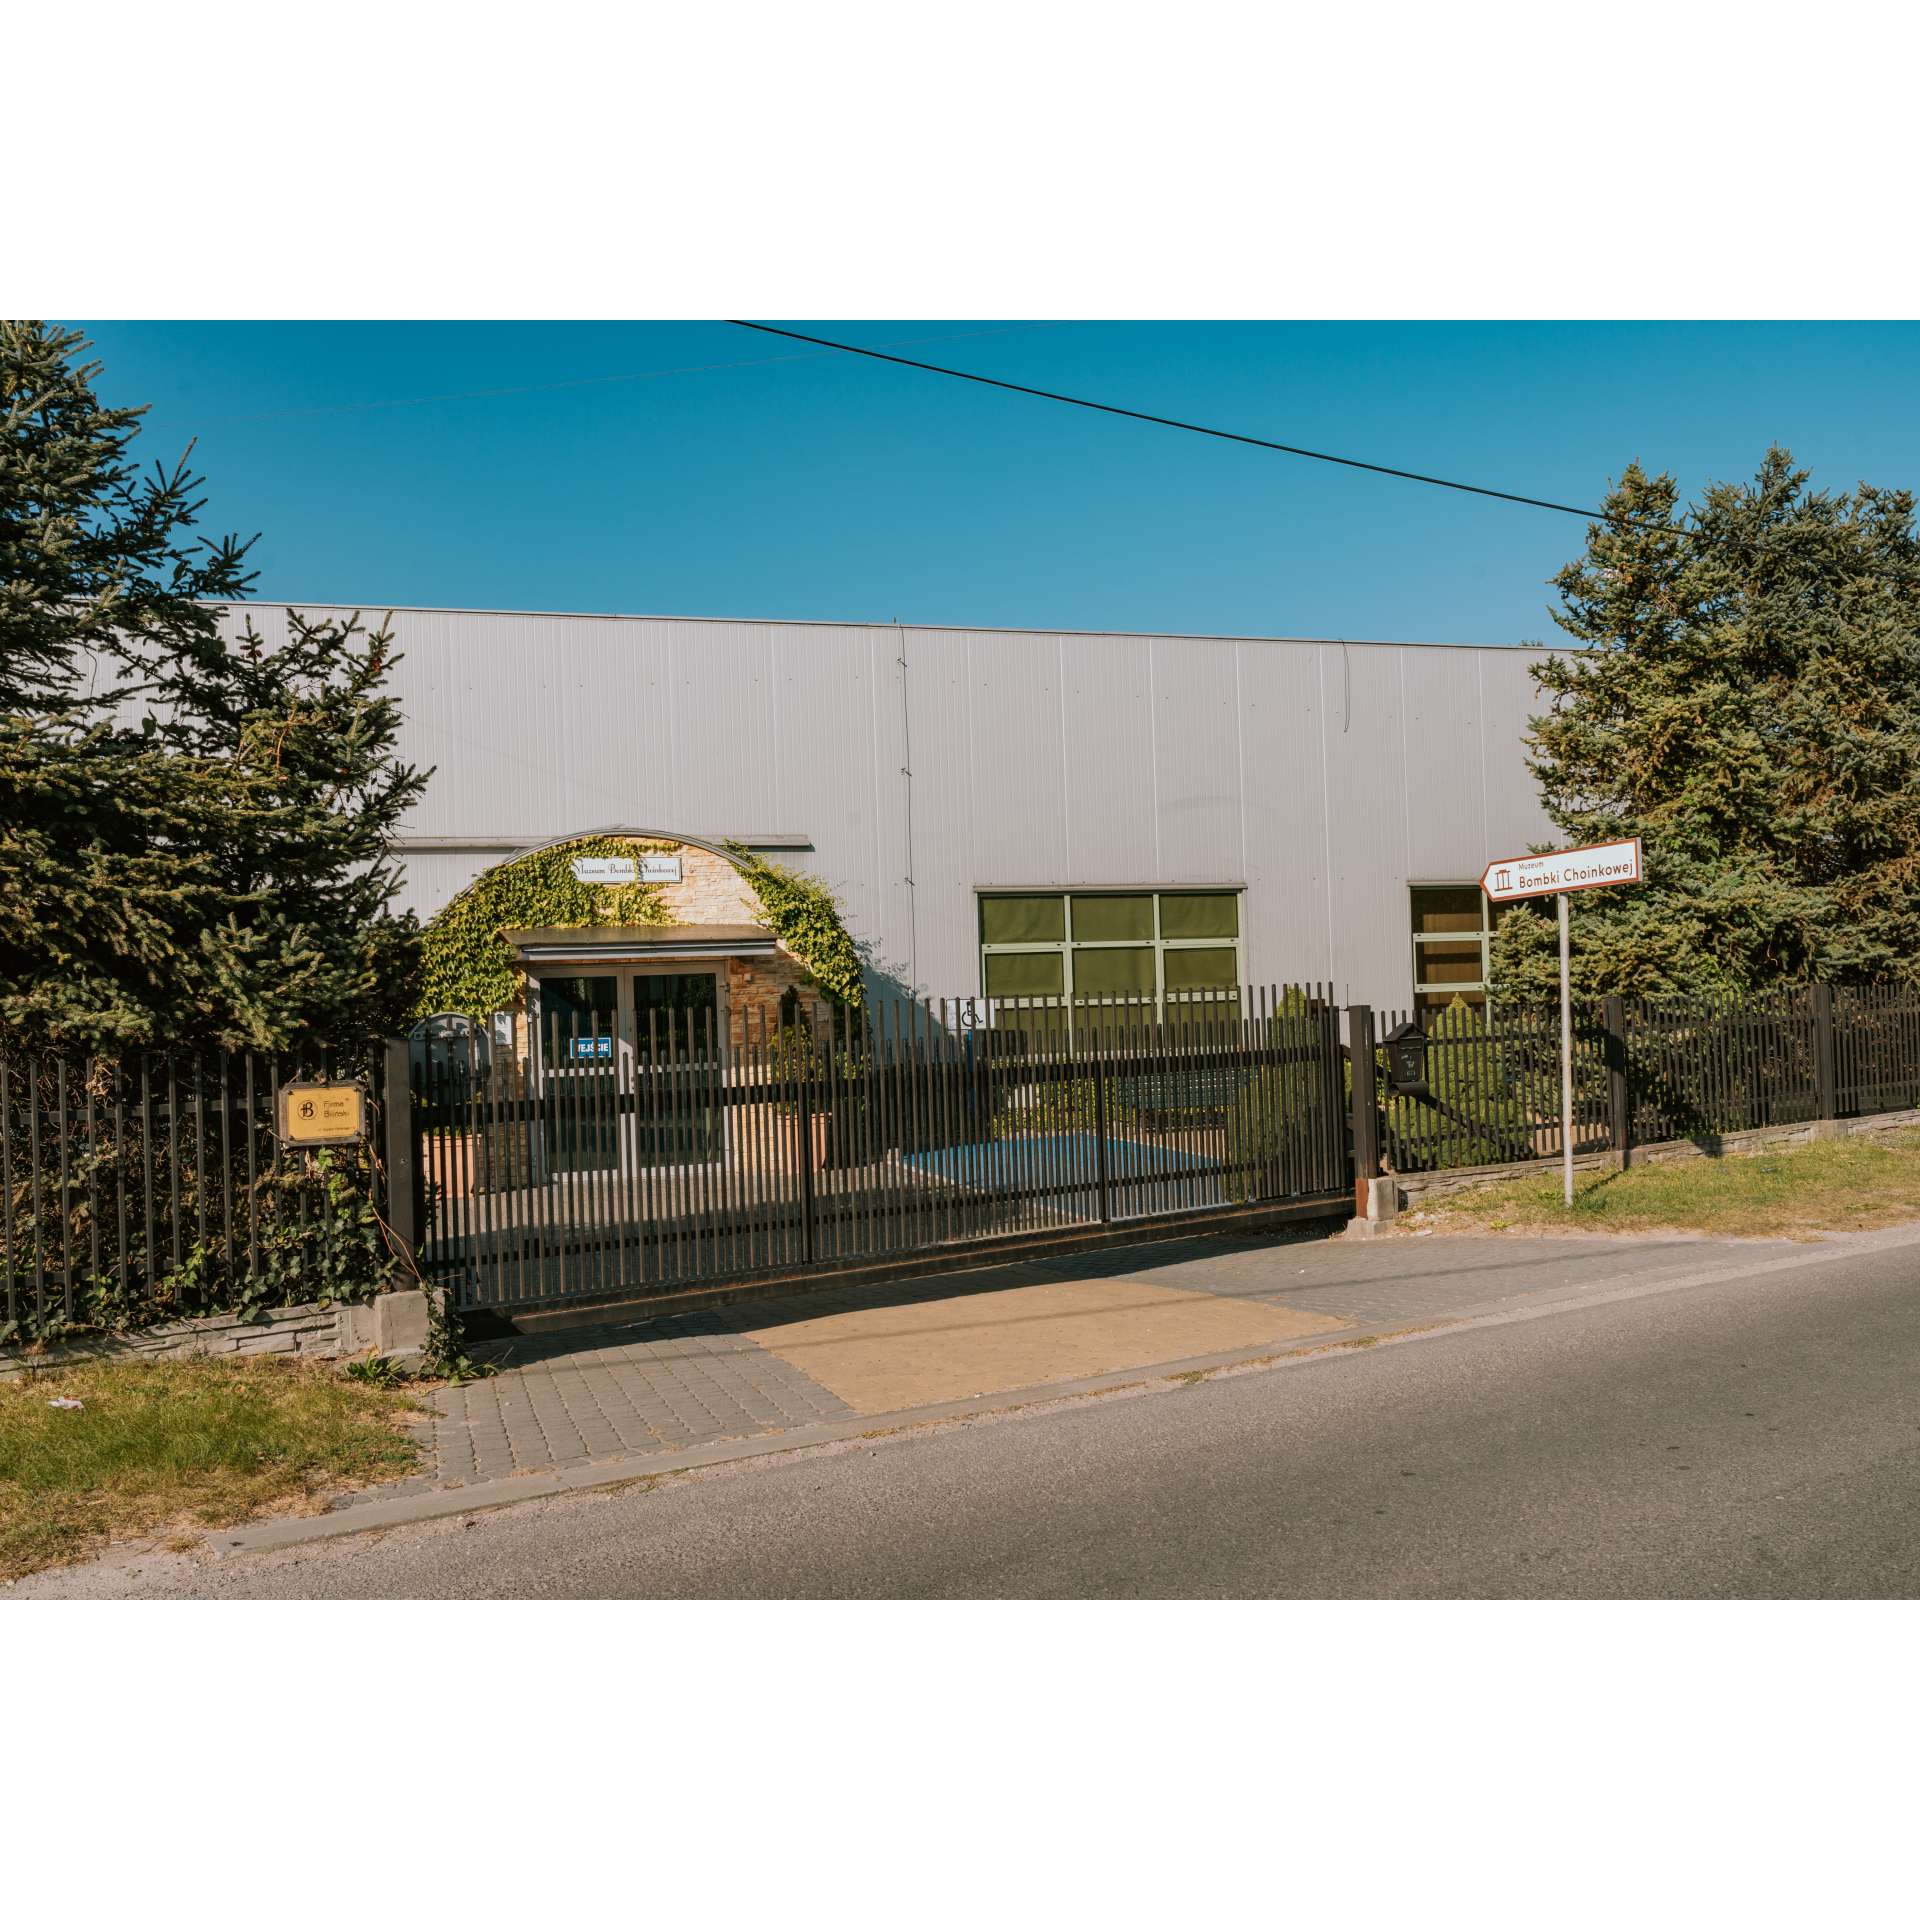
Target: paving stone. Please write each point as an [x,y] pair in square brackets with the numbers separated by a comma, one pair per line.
[608,1393]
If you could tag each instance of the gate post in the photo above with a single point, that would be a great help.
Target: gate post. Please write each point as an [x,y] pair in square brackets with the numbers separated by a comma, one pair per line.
[1619,1116]
[404,1196]
[1100,1124]
[803,1131]
[1329,1167]
[1366,1105]
[1824,1078]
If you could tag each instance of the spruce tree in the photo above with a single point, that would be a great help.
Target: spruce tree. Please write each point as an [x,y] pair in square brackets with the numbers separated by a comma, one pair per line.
[193,824]
[93,563]
[1743,696]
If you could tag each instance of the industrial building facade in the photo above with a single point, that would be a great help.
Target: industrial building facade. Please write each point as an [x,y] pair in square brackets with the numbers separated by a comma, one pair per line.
[1002,812]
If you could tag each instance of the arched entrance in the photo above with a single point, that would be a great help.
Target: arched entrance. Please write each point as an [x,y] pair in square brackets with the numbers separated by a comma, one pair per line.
[610,1008]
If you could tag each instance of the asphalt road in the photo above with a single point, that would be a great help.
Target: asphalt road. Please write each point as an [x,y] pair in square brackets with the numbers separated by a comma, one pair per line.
[1757,1437]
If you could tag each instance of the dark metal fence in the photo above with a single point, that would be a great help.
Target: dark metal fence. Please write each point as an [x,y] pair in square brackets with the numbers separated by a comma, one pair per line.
[618,1158]
[155,1187]
[1715,1064]
[623,1156]
[1645,1071]
[1491,1090]
[1876,1050]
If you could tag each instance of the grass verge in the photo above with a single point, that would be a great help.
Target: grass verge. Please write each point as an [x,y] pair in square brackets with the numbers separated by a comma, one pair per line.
[182,1443]
[1841,1186]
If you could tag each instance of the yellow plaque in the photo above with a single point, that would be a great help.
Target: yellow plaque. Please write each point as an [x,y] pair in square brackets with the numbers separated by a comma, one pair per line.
[316,1113]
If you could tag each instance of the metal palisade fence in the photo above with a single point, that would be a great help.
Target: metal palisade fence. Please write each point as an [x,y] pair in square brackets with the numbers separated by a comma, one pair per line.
[617,1155]
[607,1156]
[156,1187]
[1487,1088]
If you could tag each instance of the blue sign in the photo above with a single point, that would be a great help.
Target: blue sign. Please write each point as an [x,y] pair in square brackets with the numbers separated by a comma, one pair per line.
[592,1048]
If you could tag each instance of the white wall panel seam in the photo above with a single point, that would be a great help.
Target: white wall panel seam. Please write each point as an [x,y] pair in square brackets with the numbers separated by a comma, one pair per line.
[1406,775]
[877,846]
[898,814]
[973,802]
[1240,777]
[1487,856]
[1069,772]
[1401,895]
[1326,793]
[1153,755]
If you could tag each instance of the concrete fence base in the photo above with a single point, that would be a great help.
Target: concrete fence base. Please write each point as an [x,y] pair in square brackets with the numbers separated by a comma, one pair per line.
[393,1324]
[1382,1199]
[1424,1189]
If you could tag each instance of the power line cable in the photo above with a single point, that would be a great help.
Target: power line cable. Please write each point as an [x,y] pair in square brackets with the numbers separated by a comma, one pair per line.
[1219,433]
[553,386]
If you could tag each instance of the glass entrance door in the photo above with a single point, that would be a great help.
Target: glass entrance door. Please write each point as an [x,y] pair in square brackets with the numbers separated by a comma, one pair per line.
[631,1064]
[676,1036]
[584,1061]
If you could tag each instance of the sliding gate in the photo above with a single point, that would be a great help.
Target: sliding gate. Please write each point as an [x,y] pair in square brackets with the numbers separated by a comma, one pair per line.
[623,1155]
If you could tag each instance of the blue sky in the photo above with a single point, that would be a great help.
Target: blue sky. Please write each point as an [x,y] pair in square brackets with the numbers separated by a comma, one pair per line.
[830,487]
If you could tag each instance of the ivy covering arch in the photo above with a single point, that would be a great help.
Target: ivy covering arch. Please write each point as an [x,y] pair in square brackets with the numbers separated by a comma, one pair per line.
[466,967]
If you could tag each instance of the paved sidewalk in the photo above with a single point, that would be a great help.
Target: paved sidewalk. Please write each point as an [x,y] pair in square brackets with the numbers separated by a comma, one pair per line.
[609,1393]
[599,1394]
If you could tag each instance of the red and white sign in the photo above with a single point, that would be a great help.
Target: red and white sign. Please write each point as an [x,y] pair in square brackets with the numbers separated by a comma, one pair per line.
[1614,863]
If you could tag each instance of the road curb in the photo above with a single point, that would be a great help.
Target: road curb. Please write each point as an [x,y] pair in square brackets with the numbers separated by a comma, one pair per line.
[379,1516]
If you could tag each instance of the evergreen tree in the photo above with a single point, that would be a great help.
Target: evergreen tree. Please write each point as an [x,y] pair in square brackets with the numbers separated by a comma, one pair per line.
[92,563]
[1745,698]
[193,828]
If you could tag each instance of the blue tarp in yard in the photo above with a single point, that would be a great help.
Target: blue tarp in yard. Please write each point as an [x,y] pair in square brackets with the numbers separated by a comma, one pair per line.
[1063,1170]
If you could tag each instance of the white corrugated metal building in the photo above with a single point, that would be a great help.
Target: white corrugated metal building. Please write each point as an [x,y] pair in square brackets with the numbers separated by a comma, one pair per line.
[952,782]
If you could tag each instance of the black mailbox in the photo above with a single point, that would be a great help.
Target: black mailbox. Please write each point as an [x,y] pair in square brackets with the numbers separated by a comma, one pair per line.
[1406,1049]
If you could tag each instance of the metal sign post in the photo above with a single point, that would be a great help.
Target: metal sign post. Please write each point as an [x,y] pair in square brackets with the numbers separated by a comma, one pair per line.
[1566,1060]
[1613,863]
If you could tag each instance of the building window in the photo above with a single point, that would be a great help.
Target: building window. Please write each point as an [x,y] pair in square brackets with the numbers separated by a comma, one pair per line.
[1452,931]
[1101,945]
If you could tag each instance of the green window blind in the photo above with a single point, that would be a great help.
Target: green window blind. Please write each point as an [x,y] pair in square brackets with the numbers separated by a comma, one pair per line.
[1009,974]
[1113,916]
[1022,919]
[1193,969]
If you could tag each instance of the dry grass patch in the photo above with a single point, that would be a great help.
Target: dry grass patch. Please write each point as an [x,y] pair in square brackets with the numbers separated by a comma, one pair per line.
[184,1443]
[1841,1186]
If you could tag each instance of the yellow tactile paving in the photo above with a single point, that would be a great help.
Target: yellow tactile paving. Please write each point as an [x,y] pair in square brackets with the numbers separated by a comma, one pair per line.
[880,1358]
